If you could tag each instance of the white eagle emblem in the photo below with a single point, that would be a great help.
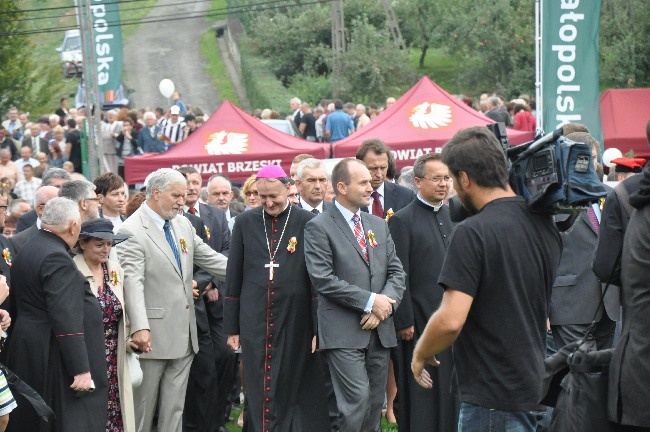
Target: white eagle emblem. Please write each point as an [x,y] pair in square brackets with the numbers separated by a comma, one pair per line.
[223,142]
[430,115]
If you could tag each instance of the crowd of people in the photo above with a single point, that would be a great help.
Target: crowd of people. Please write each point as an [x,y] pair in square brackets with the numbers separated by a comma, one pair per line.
[328,299]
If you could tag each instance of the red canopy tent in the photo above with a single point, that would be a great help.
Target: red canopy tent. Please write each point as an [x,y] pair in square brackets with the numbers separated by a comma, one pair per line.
[230,142]
[420,122]
[624,114]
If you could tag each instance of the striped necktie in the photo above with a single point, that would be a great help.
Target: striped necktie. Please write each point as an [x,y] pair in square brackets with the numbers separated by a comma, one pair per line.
[358,234]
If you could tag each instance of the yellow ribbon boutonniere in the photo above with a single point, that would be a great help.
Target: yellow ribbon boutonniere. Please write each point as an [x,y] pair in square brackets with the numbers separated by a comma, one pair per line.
[602,203]
[207,233]
[183,245]
[389,214]
[292,245]
[114,277]
[7,256]
[371,239]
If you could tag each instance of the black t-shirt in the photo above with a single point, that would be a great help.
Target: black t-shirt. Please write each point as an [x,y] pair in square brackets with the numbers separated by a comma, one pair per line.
[73,137]
[506,258]
[310,125]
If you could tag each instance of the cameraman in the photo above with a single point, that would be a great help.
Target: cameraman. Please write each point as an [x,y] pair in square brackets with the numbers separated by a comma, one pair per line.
[497,276]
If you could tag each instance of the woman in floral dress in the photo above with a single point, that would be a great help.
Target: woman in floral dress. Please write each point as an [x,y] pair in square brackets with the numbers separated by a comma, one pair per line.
[105,277]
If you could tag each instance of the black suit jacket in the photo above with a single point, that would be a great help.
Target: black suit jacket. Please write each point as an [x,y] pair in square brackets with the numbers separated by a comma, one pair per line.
[42,144]
[26,220]
[19,240]
[396,197]
[5,268]
[219,239]
[200,310]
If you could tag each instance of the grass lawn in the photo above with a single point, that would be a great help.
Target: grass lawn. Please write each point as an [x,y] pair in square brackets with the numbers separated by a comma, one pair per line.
[214,65]
[443,69]
[232,426]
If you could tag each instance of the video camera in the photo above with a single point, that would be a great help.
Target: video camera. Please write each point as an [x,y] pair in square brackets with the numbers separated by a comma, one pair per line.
[554,174]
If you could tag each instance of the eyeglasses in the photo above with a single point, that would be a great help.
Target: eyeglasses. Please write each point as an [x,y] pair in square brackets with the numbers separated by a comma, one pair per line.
[446,179]
[251,193]
[4,207]
[92,199]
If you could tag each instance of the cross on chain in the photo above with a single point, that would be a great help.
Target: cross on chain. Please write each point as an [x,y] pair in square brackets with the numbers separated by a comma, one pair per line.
[271,265]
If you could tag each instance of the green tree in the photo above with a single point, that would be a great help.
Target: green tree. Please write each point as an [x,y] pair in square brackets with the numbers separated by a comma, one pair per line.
[374,66]
[15,84]
[419,25]
[624,47]
[298,44]
[494,44]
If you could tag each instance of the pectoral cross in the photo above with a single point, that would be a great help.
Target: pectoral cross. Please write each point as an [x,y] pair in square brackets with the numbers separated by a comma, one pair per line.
[270,266]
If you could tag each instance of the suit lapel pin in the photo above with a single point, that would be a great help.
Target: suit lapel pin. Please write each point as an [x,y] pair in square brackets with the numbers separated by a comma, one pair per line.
[114,277]
[389,214]
[207,233]
[183,245]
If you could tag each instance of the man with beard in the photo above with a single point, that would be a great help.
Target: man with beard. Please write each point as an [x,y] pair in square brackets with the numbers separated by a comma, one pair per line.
[421,232]
[497,276]
[158,263]
[270,311]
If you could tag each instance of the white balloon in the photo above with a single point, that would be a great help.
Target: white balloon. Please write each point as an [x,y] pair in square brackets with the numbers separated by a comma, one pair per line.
[609,155]
[166,87]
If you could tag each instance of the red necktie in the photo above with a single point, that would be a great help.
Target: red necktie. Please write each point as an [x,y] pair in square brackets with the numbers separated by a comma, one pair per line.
[358,234]
[377,209]
[191,210]
[591,213]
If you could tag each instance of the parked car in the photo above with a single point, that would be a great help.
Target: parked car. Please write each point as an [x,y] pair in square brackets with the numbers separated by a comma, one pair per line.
[285,126]
[70,50]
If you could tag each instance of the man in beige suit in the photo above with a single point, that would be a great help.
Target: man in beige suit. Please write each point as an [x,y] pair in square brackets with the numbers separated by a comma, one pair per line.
[158,264]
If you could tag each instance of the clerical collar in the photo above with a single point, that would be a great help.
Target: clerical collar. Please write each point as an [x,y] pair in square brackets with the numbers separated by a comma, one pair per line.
[435,208]
[281,214]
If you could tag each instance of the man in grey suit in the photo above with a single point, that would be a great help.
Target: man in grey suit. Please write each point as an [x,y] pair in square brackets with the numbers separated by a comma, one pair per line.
[158,263]
[353,266]
[575,299]
[311,181]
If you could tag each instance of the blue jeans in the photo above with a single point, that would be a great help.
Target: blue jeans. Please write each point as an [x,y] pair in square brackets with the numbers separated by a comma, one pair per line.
[474,418]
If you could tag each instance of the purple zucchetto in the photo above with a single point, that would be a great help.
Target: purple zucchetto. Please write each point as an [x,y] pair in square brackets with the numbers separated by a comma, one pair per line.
[271,172]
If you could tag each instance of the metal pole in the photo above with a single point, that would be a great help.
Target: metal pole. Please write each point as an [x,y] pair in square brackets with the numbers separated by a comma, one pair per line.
[338,46]
[93,108]
[539,85]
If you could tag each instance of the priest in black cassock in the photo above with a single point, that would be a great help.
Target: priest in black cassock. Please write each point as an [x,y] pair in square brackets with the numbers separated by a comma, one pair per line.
[421,233]
[57,345]
[270,312]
